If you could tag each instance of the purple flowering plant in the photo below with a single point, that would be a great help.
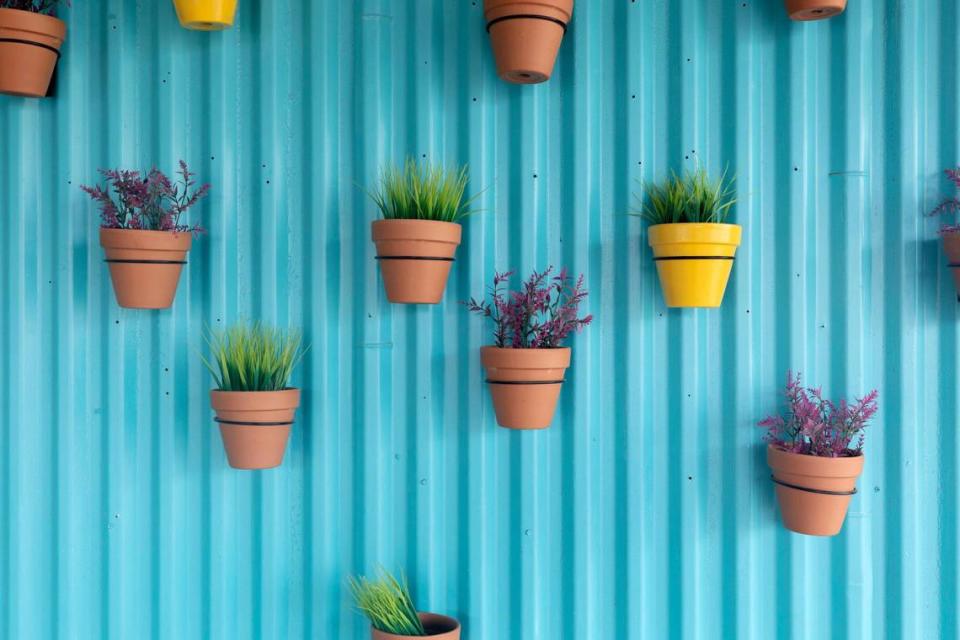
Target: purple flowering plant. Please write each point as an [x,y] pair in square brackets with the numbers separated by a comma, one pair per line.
[538,316]
[950,205]
[816,426]
[45,7]
[147,200]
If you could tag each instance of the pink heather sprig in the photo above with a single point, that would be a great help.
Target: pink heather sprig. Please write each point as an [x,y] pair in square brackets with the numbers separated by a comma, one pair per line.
[816,426]
[950,205]
[148,200]
[541,315]
[45,7]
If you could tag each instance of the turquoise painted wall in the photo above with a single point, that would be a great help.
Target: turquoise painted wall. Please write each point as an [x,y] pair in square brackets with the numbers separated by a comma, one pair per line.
[645,511]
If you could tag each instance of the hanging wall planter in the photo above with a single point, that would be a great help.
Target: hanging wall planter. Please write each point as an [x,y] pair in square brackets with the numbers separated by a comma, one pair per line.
[815,452]
[141,232]
[950,232]
[525,367]
[418,237]
[693,248]
[251,365]
[145,266]
[30,45]
[807,10]
[526,36]
[206,15]
[388,605]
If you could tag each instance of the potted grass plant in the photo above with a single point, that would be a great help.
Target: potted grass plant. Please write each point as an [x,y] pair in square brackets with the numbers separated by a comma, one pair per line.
[388,605]
[30,40]
[206,15]
[251,366]
[816,454]
[693,246]
[807,10]
[142,232]
[526,364]
[951,232]
[526,36]
[421,205]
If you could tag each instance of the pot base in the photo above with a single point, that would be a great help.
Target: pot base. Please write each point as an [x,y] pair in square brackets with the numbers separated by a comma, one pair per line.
[809,10]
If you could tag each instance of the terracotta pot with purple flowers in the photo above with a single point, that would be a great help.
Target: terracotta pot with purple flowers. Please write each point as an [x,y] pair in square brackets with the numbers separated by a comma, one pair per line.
[526,364]
[815,452]
[30,40]
[951,232]
[142,232]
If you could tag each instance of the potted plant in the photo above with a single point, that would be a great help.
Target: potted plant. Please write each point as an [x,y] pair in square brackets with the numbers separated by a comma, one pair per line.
[251,366]
[142,235]
[693,246]
[30,40]
[206,15]
[816,454]
[418,236]
[806,10]
[526,36]
[951,232]
[526,364]
[389,607]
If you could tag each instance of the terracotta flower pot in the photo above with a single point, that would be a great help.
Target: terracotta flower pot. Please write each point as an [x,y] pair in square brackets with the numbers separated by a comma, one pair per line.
[29,49]
[437,627]
[145,266]
[255,425]
[694,261]
[415,258]
[806,10]
[951,246]
[813,492]
[526,36]
[525,384]
[206,15]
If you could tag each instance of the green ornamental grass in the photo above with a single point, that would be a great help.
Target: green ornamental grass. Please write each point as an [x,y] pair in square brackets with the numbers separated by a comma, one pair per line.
[422,191]
[387,603]
[691,197]
[252,357]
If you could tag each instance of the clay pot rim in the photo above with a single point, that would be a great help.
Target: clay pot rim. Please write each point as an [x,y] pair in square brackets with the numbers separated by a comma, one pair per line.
[288,398]
[803,464]
[33,22]
[416,229]
[525,358]
[425,617]
[498,9]
[145,239]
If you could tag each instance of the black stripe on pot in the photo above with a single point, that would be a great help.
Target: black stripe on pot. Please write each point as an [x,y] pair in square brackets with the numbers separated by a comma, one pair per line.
[488,381]
[527,16]
[33,44]
[809,490]
[147,261]
[428,258]
[693,258]
[953,265]
[247,423]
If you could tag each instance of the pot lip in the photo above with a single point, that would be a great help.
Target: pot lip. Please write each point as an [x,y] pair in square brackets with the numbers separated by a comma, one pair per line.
[436,232]
[715,233]
[425,616]
[802,463]
[235,394]
[494,9]
[145,239]
[504,358]
[56,28]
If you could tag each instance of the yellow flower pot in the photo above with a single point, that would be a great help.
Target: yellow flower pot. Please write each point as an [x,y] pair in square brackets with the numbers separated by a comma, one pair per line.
[694,261]
[206,15]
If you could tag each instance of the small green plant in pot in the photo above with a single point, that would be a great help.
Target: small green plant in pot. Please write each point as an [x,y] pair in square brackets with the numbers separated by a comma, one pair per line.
[251,365]
[421,205]
[388,605]
[693,245]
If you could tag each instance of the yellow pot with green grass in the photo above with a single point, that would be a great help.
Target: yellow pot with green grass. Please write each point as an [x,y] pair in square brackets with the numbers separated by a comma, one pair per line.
[206,15]
[694,260]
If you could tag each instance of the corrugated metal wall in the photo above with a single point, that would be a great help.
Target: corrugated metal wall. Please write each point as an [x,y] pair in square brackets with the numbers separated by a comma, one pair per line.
[645,511]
